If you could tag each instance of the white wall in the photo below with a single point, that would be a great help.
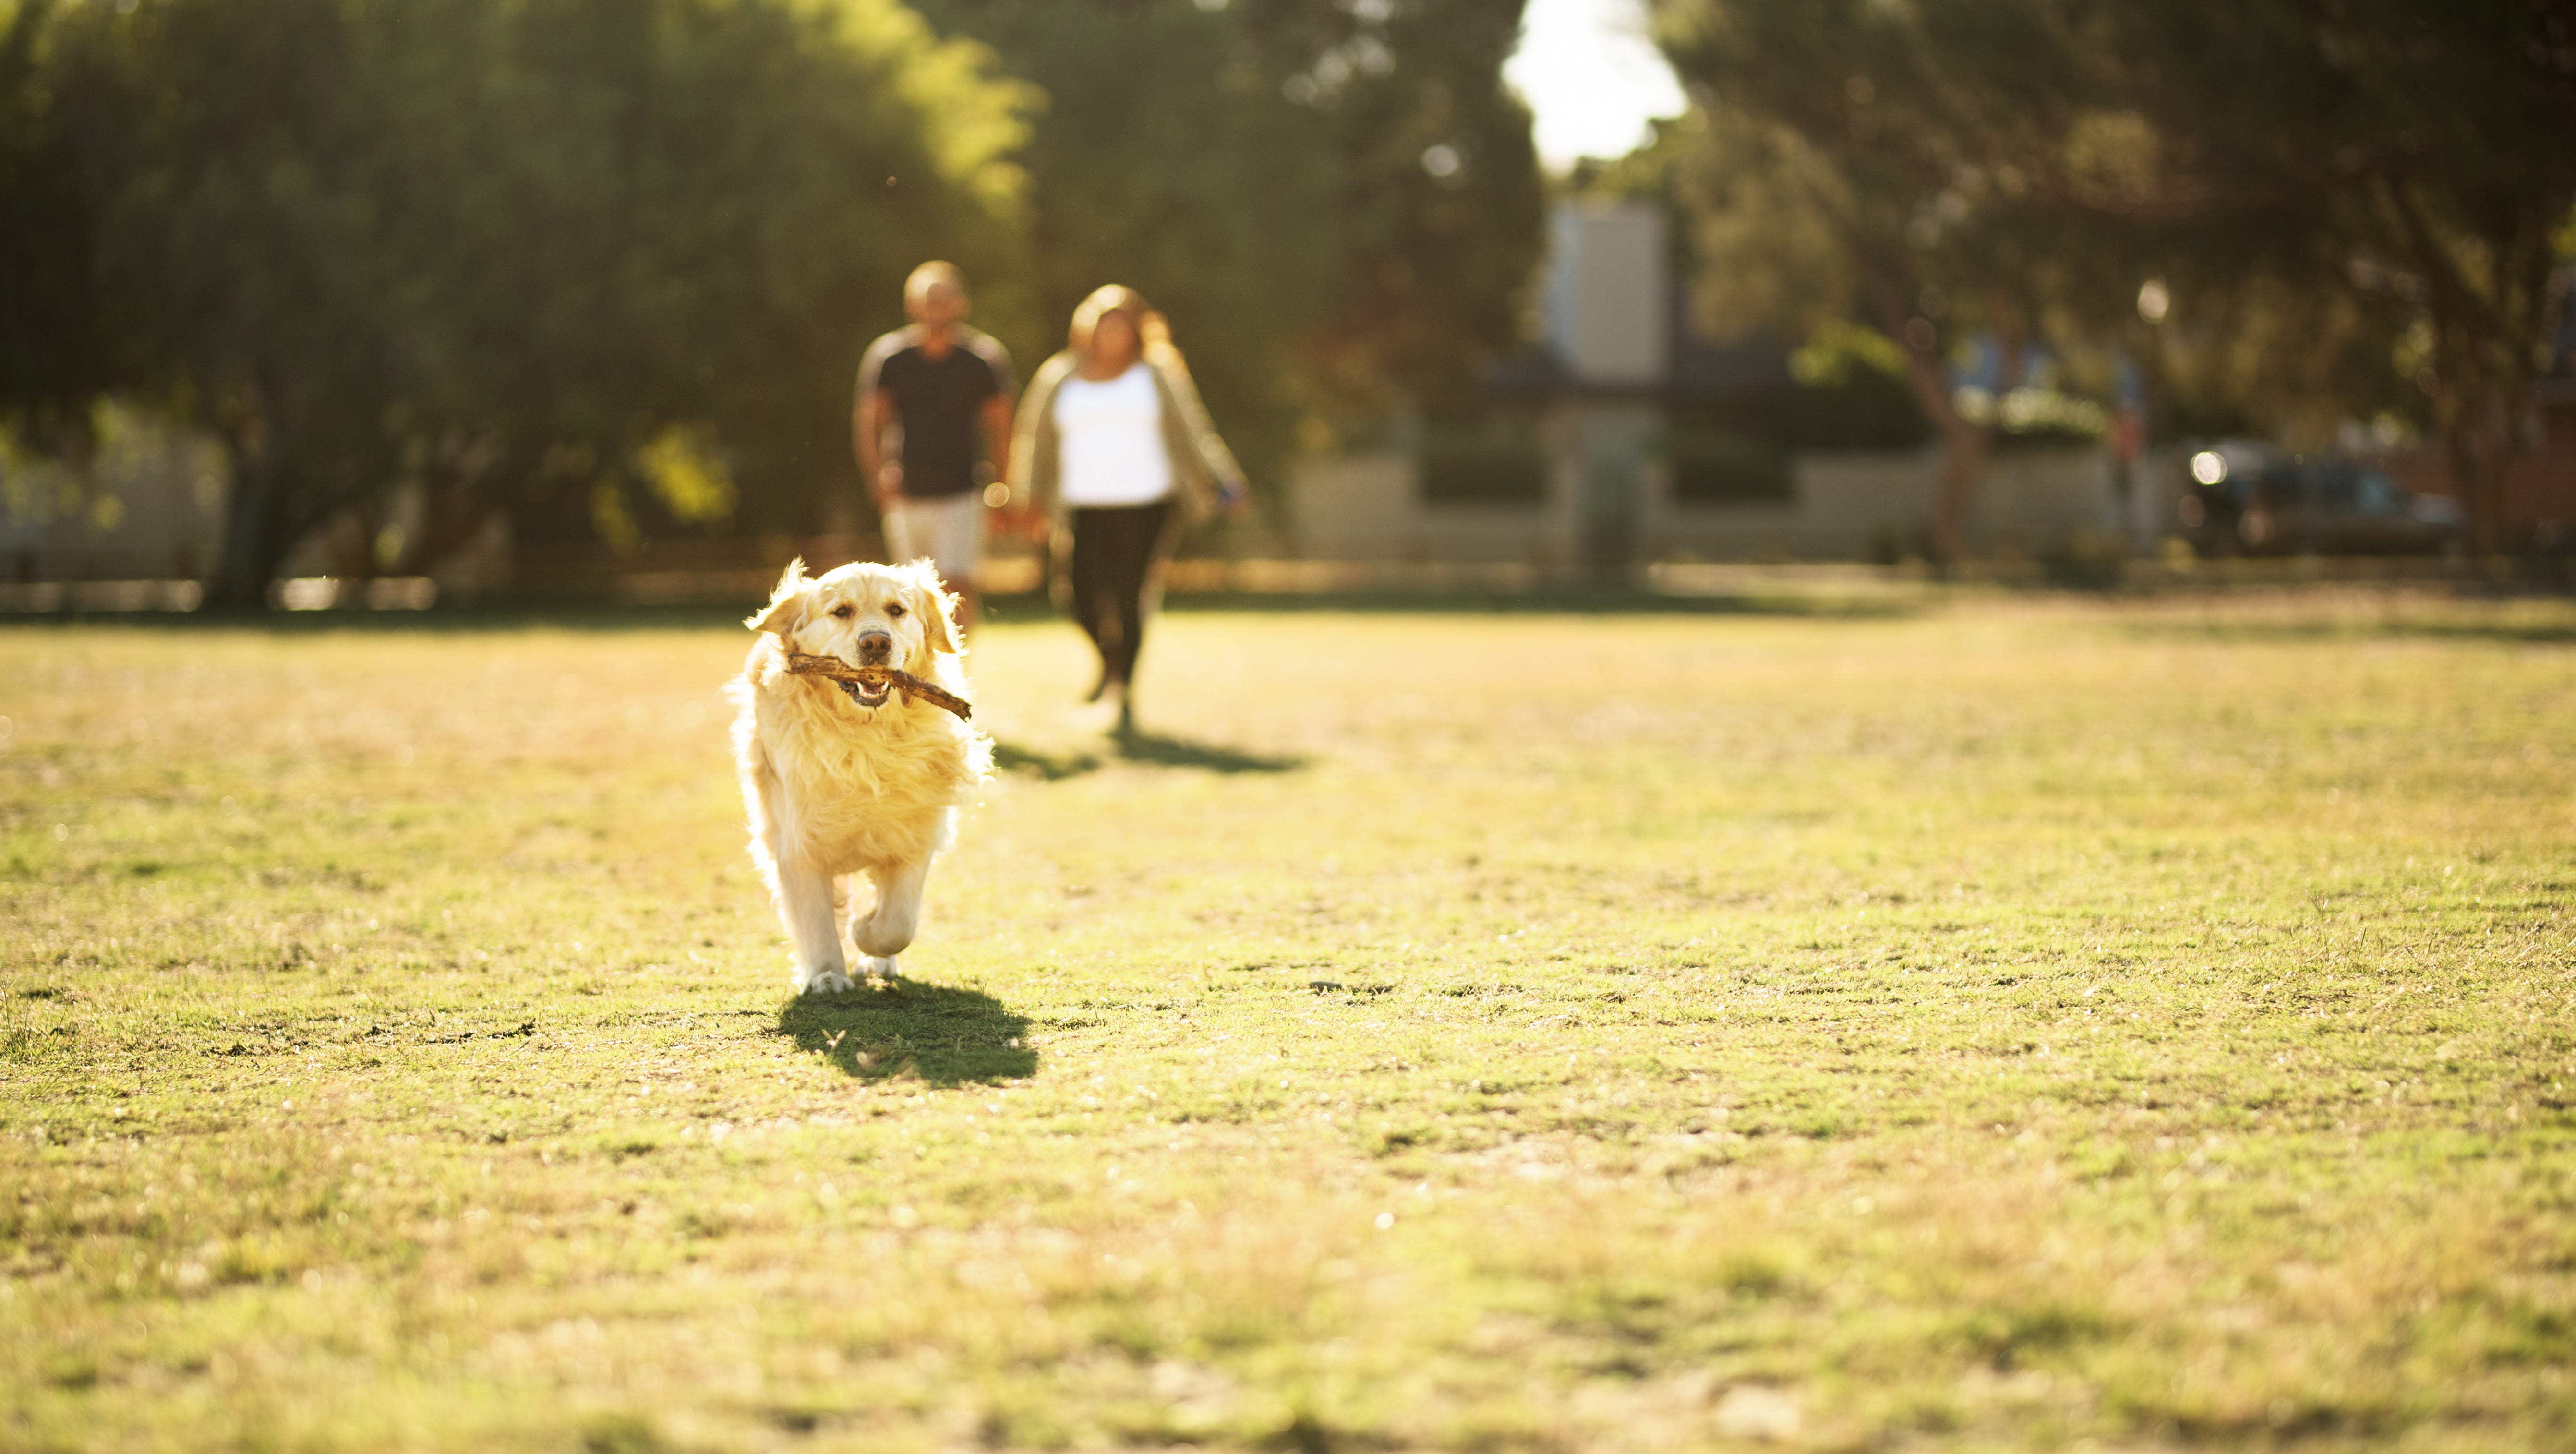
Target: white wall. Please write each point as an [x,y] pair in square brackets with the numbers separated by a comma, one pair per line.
[1370,507]
[1843,506]
[1608,292]
[148,507]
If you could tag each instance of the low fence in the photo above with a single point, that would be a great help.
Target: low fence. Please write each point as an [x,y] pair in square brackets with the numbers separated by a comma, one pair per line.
[1819,585]
[1865,506]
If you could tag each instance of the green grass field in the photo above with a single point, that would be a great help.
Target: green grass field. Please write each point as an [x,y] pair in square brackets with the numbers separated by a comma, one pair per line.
[2025,1024]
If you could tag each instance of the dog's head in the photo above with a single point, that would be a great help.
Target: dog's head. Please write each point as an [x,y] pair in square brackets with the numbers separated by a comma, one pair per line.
[866,615]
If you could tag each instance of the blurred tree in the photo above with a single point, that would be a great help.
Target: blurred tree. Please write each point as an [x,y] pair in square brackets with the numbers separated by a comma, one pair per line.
[232,169]
[605,264]
[2248,344]
[2320,192]
[727,197]
[50,364]
[558,252]
[1166,158]
[1338,205]
[2381,162]
[1849,159]
[1441,203]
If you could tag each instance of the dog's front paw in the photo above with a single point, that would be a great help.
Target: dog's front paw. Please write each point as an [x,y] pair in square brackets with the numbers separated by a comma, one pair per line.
[881,966]
[822,982]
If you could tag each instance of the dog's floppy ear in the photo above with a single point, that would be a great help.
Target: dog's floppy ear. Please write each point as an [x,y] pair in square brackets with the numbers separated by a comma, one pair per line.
[938,609]
[786,609]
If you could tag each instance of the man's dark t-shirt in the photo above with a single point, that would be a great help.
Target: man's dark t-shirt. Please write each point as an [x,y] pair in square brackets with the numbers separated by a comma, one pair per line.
[938,403]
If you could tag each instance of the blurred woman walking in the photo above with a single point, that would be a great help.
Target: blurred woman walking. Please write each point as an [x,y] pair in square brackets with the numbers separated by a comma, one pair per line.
[1114,449]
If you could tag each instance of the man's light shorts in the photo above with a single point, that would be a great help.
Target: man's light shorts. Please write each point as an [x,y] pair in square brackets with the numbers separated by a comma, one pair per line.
[950,530]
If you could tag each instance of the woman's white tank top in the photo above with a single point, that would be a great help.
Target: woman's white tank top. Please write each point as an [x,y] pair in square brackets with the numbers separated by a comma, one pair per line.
[1109,440]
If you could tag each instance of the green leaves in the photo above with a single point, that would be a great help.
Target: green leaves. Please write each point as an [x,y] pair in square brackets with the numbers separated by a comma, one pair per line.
[504,249]
[1258,170]
[2350,212]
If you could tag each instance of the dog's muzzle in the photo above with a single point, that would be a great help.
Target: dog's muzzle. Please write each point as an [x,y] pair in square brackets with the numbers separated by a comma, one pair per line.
[876,648]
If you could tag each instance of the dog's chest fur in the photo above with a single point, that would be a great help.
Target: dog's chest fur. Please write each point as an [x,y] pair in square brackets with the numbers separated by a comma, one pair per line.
[856,788]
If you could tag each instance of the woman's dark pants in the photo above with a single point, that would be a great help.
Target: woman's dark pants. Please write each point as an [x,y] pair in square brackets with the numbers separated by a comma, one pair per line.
[1113,552]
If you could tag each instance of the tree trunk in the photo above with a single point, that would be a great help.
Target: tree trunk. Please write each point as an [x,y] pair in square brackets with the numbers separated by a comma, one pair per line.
[2482,340]
[454,508]
[2472,449]
[280,493]
[349,544]
[2473,442]
[256,446]
[1964,448]
[250,553]
[1963,445]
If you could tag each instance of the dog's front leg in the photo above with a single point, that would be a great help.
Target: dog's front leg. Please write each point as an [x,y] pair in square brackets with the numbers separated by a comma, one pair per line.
[805,903]
[889,927]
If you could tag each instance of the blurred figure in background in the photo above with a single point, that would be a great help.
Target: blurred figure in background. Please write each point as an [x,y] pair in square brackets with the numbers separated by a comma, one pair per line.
[938,385]
[1112,447]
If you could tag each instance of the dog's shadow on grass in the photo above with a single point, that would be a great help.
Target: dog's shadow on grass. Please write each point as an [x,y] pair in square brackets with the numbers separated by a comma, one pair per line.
[1154,749]
[1051,766]
[942,1036]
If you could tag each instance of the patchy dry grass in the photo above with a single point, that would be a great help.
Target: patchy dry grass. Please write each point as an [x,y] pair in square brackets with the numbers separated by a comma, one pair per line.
[2012,1026]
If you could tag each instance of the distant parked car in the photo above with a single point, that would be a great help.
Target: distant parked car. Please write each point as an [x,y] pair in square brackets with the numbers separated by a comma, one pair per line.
[2249,499]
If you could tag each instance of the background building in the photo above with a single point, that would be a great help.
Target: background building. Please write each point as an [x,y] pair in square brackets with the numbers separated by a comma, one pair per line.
[1623,438]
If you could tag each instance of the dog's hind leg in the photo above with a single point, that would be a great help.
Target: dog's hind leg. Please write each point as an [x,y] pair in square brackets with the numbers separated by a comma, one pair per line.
[888,928]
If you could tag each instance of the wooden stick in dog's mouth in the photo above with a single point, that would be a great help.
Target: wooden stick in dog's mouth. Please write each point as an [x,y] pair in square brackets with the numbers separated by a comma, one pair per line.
[879,676]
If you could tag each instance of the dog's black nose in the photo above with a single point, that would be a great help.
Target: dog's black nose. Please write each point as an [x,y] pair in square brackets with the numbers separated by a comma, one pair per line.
[875,647]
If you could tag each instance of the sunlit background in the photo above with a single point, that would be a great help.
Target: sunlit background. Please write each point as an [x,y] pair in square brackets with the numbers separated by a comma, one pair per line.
[1594,81]
[1883,764]
[314,306]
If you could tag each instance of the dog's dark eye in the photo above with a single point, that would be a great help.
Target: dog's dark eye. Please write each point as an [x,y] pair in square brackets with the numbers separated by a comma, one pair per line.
[844,613]
[894,609]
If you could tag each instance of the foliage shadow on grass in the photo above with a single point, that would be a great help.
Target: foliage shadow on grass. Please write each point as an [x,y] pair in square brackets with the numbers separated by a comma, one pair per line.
[2505,633]
[2550,634]
[1606,600]
[474,620]
[945,1037]
[572,613]
[603,618]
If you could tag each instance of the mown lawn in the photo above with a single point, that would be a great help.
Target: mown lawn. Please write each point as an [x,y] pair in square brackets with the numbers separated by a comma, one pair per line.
[2010,1026]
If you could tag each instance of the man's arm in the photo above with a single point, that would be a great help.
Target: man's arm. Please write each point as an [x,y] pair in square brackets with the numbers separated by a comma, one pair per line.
[997,436]
[863,434]
[1017,517]
[868,424]
[1001,427]
[871,410]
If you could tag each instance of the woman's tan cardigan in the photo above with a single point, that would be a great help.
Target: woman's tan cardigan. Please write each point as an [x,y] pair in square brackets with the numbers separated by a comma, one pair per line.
[1200,460]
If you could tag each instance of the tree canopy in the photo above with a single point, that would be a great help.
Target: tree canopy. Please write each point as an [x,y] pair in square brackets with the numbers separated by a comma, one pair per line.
[2413,163]
[608,266]
[1338,206]
[561,254]
[2346,209]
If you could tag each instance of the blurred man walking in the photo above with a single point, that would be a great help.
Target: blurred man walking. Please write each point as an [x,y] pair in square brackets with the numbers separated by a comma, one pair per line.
[945,391]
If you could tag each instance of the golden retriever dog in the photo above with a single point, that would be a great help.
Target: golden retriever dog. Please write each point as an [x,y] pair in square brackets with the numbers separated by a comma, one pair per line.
[843,779]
